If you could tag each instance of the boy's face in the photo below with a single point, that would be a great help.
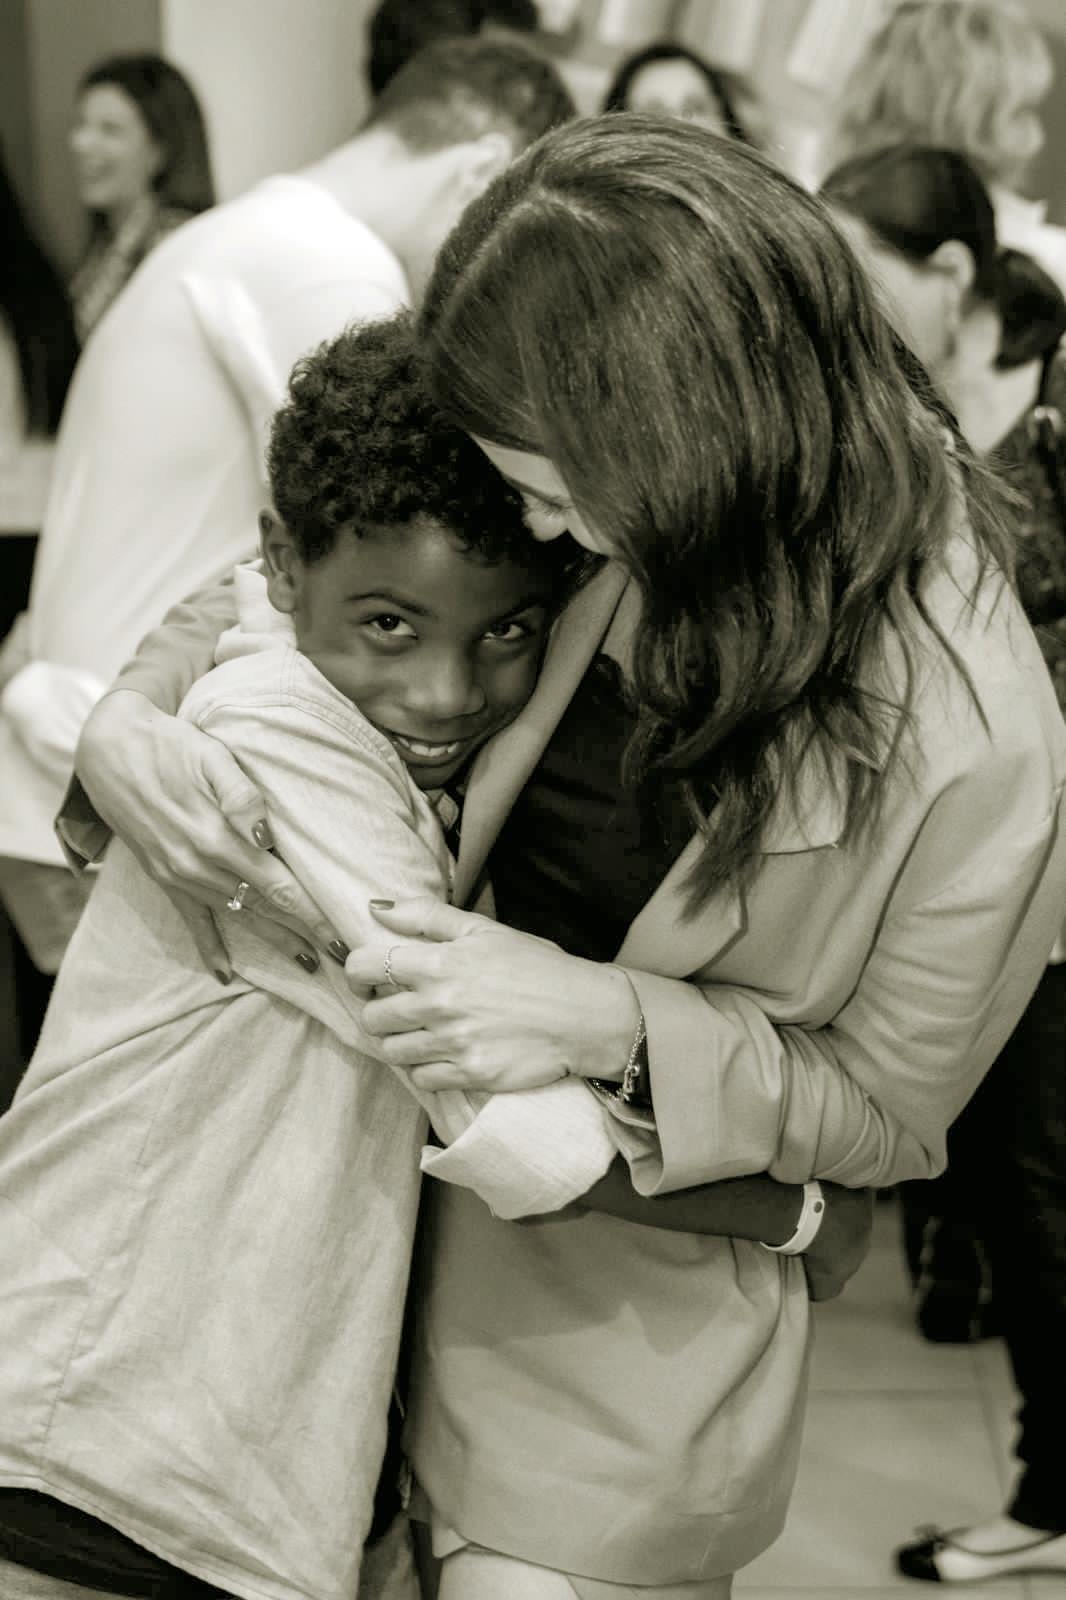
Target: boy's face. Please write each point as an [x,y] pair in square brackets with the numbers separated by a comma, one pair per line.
[437,649]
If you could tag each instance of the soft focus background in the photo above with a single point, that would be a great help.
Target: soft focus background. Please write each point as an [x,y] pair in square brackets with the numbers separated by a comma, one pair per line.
[900,1431]
[282,80]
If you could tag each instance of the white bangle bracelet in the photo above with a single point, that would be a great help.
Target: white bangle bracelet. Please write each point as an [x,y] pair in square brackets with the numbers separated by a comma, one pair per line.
[810,1220]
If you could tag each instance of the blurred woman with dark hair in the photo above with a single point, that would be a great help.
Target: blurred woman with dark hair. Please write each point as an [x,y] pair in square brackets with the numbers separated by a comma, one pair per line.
[35,320]
[987,324]
[38,349]
[142,166]
[986,1242]
[670,80]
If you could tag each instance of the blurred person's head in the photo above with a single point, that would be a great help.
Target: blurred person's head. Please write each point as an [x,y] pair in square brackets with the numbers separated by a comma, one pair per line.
[139,132]
[448,123]
[401,555]
[36,312]
[922,222]
[668,80]
[964,75]
[667,346]
[399,29]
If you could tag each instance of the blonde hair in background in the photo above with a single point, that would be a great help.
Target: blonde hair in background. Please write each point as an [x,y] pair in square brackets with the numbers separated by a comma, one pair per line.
[963,74]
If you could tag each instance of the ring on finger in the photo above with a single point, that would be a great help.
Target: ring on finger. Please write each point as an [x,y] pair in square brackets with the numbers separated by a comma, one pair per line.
[236,899]
[389,975]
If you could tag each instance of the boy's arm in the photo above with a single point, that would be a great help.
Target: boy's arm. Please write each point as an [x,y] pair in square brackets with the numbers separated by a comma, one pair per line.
[63,714]
[344,821]
[167,664]
[756,1208]
[171,658]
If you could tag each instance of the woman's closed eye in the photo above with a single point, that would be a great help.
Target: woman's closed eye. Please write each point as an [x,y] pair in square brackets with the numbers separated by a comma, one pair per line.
[537,506]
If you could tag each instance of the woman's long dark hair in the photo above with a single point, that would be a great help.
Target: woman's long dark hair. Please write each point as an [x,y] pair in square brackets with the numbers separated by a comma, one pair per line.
[719,83]
[166,101]
[681,330]
[914,198]
[36,309]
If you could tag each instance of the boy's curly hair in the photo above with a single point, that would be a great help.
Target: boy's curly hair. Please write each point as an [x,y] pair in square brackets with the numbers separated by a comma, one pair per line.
[360,446]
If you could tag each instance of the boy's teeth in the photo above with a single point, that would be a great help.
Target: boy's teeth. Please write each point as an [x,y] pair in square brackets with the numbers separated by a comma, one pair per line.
[419,747]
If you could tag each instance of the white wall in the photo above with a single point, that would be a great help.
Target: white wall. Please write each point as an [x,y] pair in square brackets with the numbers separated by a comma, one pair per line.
[281,81]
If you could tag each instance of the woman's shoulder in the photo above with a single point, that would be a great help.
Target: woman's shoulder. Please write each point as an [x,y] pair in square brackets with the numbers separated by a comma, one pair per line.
[981,688]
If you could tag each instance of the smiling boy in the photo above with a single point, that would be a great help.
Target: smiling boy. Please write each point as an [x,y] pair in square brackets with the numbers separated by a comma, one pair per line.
[207,1193]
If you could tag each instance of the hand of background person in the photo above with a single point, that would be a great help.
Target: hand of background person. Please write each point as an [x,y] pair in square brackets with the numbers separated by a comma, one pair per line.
[482,1006]
[195,823]
[841,1243]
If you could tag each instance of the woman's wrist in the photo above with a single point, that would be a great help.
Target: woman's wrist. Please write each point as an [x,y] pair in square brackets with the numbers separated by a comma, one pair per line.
[615,1020]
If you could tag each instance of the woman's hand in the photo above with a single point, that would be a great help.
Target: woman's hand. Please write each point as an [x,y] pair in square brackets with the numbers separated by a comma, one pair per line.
[195,823]
[480,1006]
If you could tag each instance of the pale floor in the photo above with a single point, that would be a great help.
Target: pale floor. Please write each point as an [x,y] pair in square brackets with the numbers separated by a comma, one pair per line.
[899,1433]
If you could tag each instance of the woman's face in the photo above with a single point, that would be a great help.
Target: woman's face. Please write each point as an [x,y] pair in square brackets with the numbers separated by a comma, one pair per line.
[115,156]
[549,507]
[675,88]
[919,300]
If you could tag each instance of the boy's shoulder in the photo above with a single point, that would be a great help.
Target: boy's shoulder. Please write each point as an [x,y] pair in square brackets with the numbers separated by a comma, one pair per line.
[280,678]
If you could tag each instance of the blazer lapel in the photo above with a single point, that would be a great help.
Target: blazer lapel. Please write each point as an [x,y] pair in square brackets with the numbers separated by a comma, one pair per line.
[664,937]
[503,766]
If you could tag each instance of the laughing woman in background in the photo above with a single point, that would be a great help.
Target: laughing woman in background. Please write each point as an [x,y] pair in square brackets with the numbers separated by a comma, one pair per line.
[142,168]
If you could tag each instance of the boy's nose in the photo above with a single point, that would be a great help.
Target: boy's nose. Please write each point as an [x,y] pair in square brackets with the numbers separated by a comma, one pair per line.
[446,690]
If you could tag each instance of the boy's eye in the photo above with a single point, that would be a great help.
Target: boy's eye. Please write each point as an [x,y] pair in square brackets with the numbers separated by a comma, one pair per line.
[508,632]
[392,626]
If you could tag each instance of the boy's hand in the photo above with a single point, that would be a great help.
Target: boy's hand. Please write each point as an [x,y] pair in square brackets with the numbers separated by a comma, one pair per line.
[841,1243]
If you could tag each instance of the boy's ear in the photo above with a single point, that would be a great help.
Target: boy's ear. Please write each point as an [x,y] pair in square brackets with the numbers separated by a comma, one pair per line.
[281,561]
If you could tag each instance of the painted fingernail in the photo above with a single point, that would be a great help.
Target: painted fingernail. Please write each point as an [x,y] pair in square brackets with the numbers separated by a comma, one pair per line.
[223,977]
[338,950]
[382,905]
[308,963]
[262,835]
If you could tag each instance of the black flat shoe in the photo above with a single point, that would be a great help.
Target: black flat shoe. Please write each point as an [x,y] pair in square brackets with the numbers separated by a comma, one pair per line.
[940,1557]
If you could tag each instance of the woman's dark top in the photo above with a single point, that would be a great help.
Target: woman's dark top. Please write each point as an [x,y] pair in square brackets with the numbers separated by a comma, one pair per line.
[580,855]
